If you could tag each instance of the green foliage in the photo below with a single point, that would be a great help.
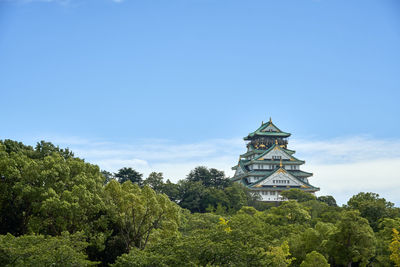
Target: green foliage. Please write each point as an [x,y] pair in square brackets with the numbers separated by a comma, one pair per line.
[279,256]
[196,197]
[353,241]
[155,181]
[108,176]
[297,194]
[46,193]
[38,250]
[395,248]
[329,200]
[171,190]
[373,208]
[384,238]
[129,174]
[314,259]
[208,177]
[311,239]
[141,258]
[140,215]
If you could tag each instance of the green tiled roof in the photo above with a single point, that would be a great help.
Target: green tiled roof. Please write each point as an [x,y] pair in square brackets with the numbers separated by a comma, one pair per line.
[284,188]
[289,151]
[255,151]
[259,132]
[277,162]
[299,173]
[294,160]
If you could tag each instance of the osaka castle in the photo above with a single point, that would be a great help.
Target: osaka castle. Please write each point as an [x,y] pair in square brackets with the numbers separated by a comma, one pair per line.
[269,167]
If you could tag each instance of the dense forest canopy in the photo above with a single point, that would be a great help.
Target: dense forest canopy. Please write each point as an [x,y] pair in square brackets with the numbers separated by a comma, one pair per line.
[58,210]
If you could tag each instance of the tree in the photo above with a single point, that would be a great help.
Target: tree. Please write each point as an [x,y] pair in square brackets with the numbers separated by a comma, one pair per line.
[108,176]
[309,240]
[49,192]
[44,149]
[373,208]
[140,215]
[330,200]
[279,256]
[289,212]
[353,241]
[384,237]
[208,177]
[297,194]
[314,259]
[171,190]
[395,248]
[155,181]
[129,174]
[38,250]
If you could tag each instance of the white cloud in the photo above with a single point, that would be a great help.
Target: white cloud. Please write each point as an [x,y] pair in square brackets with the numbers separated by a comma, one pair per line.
[344,167]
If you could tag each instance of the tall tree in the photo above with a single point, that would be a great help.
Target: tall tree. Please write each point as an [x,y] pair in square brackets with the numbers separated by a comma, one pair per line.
[155,181]
[353,241]
[208,177]
[129,174]
[330,200]
[140,215]
[108,176]
[38,250]
[373,208]
[297,194]
[395,248]
[314,259]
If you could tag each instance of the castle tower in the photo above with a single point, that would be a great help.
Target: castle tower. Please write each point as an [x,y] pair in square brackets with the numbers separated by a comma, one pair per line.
[269,167]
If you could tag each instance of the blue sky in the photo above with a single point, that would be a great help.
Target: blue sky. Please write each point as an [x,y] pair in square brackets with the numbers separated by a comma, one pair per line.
[169,85]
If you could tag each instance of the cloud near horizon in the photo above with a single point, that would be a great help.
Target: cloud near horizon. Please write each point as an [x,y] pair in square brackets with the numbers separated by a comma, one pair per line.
[342,167]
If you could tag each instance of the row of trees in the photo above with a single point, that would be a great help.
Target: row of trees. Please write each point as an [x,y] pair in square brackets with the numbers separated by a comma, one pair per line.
[203,189]
[57,210]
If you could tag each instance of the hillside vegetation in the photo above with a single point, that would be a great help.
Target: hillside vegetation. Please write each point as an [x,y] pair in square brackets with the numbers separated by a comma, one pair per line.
[58,210]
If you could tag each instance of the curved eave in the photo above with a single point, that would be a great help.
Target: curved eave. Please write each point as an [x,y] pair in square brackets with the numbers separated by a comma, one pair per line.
[284,162]
[298,179]
[284,188]
[254,151]
[290,152]
[266,134]
[299,173]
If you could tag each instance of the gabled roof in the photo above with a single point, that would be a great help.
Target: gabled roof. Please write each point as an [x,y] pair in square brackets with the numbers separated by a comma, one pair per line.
[306,185]
[267,129]
[292,158]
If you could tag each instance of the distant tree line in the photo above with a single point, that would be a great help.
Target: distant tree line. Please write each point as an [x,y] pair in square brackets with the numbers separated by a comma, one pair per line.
[58,210]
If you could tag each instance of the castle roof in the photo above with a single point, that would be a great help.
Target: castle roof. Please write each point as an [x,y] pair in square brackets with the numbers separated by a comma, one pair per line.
[267,129]
[281,171]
